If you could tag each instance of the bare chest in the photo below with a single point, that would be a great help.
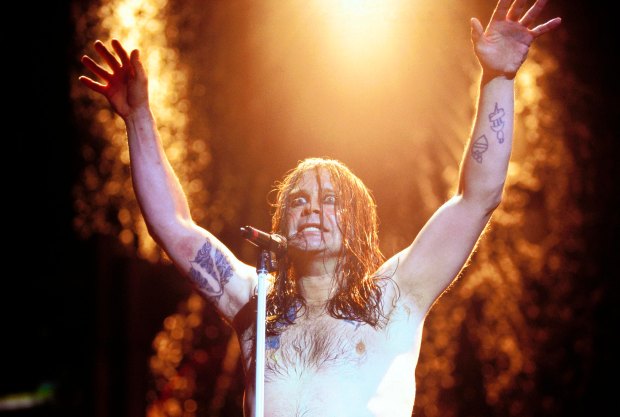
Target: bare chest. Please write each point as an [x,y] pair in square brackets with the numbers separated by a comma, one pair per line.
[322,366]
[313,345]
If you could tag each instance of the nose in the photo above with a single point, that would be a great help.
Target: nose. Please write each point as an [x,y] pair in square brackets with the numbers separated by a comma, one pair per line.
[310,208]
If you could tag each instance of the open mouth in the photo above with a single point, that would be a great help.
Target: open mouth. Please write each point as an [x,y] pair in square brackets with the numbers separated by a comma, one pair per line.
[311,227]
[308,228]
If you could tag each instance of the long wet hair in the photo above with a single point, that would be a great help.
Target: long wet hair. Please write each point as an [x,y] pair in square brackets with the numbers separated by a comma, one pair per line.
[359,289]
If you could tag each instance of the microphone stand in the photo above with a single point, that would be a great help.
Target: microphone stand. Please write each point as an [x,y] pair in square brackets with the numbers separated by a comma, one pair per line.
[267,243]
[262,270]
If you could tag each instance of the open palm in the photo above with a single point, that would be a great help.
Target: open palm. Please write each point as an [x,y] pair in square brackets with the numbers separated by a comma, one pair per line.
[504,45]
[124,85]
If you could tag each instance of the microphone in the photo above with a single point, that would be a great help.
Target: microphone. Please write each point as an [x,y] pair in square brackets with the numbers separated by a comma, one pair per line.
[268,241]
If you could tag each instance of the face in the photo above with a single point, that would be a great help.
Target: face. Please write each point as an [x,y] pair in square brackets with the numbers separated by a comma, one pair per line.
[312,220]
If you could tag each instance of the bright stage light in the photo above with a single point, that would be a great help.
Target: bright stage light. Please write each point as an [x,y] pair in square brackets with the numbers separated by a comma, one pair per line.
[361,27]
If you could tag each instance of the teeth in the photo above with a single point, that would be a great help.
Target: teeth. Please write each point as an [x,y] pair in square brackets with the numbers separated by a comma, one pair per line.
[312,229]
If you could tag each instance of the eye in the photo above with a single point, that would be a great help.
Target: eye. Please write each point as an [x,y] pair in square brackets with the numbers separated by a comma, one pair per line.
[329,199]
[298,201]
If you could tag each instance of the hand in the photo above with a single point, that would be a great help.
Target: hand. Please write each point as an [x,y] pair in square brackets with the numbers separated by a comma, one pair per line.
[126,86]
[503,46]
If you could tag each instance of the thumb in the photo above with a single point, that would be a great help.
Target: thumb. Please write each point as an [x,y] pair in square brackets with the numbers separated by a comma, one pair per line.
[477,31]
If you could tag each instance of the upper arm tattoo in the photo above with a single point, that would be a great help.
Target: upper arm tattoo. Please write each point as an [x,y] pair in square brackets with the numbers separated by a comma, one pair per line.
[210,271]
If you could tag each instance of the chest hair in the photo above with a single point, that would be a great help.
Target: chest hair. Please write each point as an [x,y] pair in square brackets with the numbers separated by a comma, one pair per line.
[311,345]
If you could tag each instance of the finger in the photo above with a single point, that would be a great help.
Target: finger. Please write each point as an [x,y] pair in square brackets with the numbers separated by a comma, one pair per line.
[138,68]
[501,10]
[107,56]
[476,30]
[120,51]
[96,68]
[546,27]
[93,85]
[516,10]
[533,13]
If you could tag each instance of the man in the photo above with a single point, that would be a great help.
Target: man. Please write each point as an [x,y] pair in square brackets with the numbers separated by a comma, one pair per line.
[344,327]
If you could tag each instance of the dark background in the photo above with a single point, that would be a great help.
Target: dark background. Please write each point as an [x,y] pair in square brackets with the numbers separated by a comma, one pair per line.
[63,325]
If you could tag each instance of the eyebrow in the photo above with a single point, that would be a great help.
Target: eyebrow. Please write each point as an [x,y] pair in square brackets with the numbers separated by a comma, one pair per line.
[299,191]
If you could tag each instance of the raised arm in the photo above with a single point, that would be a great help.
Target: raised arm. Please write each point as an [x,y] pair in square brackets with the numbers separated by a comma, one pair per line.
[441,249]
[214,270]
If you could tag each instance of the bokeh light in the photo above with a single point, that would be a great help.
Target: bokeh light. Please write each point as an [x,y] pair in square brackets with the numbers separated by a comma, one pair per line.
[104,199]
[242,90]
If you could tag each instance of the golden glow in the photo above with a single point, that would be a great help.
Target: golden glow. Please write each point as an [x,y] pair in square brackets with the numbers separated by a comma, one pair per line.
[106,183]
[386,90]
[225,378]
[174,345]
[519,247]
[362,30]
[360,75]
[363,42]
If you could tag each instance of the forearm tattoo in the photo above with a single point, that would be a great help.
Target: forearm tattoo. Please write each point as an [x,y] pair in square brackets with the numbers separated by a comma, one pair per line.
[210,271]
[497,122]
[479,147]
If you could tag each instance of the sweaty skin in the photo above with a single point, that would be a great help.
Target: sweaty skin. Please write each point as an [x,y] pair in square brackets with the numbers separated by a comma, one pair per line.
[321,366]
[327,367]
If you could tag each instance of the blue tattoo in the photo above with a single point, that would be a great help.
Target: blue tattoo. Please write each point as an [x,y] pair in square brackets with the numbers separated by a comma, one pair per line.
[217,268]
[272,342]
[355,323]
